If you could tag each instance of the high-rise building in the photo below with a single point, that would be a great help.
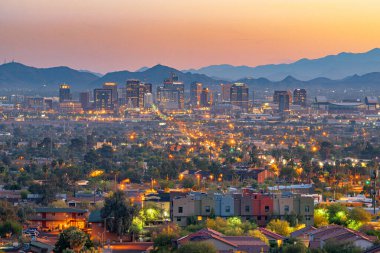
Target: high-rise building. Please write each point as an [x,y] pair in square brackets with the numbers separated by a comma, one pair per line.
[148,100]
[64,93]
[195,94]
[226,92]
[206,98]
[239,95]
[132,93]
[113,87]
[283,102]
[277,93]
[171,94]
[299,97]
[103,100]
[84,99]
[135,91]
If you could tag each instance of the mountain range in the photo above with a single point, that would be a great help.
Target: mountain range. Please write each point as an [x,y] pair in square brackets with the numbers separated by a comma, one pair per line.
[333,66]
[15,75]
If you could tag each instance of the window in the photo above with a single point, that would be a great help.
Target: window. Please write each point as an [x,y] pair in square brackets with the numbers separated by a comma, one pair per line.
[228,209]
[178,218]
[207,209]
[180,209]
[266,209]
[247,208]
[258,217]
[307,218]
[286,208]
[307,209]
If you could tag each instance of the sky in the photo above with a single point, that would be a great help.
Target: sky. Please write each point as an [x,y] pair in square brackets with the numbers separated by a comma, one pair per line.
[109,35]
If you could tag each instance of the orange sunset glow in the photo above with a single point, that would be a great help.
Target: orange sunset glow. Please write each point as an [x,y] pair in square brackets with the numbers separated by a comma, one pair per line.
[115,34]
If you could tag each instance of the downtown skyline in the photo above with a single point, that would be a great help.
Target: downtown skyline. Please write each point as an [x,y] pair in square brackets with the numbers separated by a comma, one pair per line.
[117,35]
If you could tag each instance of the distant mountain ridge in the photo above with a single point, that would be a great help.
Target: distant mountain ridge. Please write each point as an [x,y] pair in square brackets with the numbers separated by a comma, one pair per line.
[155,75]
[333,67]
[15,76]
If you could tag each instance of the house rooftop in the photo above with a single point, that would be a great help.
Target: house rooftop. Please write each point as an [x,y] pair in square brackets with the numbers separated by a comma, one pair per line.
[59,210]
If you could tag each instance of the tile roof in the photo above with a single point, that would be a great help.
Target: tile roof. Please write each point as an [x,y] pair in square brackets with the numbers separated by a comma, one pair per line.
[271,234]
[59,210]
[302,231]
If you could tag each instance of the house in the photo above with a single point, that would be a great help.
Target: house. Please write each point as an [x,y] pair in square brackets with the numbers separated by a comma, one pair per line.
[225,244]
[303,234]
[273,238]
[335,233]
[224,205]
[262,208]
[58,218]
[249,205]
[287,203]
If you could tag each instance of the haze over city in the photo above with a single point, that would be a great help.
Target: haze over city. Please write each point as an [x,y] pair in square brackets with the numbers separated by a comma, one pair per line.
[113,35]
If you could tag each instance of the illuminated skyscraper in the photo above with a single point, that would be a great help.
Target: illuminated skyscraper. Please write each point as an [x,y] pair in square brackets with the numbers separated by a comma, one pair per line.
[277,93]
[64,93]
[195,94]
[171,94]
[283,101]
[206,98]
[148,100]
[103,100]
[135,91]
[113,87]
[239,95]
[299,97]
[226,92]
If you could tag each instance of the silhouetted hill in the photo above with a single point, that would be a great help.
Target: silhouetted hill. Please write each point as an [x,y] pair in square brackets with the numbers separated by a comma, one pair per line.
[155,75]
[333,66]
[370,80]
[16,75]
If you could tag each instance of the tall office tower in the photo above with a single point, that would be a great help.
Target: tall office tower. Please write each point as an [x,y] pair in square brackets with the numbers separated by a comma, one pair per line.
[226,92]
[113,87]
[132,93]
[64,93]
[135,92]
[84,99]
[239,95]
[283,101]
[299,97]
[277,93]
[206,98]
[253,97]
[171,94]
[195,94]
[103,100]
[148,100]
[148,87]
